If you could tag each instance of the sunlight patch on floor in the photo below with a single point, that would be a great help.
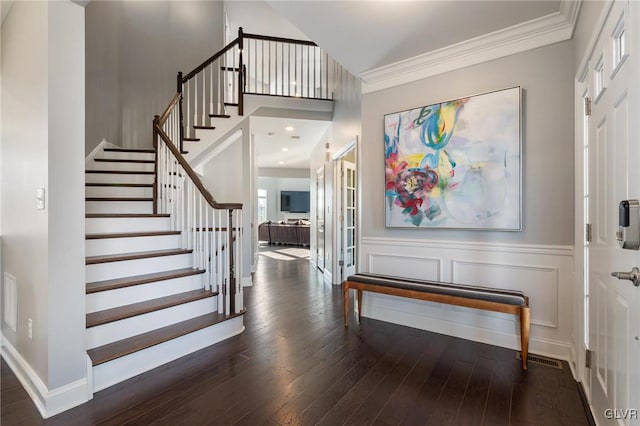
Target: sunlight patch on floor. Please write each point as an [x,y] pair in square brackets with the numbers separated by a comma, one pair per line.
[276,255]
[301,253]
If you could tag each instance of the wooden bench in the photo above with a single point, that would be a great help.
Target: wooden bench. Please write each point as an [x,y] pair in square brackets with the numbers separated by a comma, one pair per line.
[489,299]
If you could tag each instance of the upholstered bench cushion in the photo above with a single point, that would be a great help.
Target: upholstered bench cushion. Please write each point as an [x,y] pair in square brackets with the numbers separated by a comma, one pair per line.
[509,297]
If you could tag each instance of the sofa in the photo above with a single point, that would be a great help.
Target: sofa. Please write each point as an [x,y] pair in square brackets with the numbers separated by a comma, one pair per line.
[292,232]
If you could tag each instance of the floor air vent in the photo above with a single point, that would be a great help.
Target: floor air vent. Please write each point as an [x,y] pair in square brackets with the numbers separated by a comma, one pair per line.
[540,360]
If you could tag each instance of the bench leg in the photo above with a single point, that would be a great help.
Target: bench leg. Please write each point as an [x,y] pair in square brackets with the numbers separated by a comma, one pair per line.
[524,334]
[345,292]
[359,305]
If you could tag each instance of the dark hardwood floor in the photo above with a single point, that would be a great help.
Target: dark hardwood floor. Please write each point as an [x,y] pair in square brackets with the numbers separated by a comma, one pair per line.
[296,364]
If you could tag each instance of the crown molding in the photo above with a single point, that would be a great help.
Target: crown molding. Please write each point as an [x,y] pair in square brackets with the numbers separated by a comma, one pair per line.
[538,32]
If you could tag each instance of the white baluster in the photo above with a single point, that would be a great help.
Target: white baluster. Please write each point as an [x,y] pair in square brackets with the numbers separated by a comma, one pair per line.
[204,96]
[195,100]
[188,102]
[220,278]
[227,268]
[207,247]
[211,88]
[240,267]
[193,226]
[185,184]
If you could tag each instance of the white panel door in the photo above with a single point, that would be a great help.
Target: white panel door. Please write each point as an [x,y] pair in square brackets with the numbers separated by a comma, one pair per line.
[613,176]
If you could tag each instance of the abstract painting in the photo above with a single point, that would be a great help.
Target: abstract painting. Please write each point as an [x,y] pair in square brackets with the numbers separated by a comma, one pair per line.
[455,164]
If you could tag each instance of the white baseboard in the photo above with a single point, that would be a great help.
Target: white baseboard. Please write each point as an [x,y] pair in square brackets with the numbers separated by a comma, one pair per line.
[327,276]
[540,346]
[247,281]
[48,402]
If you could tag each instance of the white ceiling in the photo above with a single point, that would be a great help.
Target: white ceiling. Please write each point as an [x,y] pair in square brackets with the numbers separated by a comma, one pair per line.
[280,148]
[362,35]
[365,35]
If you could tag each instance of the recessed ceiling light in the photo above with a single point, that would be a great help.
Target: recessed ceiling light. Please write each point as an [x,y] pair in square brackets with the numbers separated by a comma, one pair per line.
[293,83]
[281,162]
[289,128]
[285,149]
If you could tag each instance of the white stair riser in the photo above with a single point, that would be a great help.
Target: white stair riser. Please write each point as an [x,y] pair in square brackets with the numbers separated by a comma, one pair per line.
[126,155]
[128,245]
[115,165]
[190,146]
[138,293]
[119,207]
[126,224]
[129,268]
[118,330]
[118,191]
[118,370]
[117,178]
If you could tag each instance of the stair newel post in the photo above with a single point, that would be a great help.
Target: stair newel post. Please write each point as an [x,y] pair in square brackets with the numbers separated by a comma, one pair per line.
[156,123]
[179,87]
[232,272]
[240,72]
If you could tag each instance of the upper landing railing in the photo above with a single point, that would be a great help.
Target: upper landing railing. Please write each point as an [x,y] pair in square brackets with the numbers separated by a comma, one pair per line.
[253,64]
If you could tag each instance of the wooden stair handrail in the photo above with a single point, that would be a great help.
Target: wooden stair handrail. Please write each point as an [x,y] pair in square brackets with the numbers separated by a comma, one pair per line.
[280,39]
[191,173]
[167,111]
[225,49]
[209,61]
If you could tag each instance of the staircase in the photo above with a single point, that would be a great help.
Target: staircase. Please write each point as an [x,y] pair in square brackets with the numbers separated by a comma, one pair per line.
[146,302]
[163,257]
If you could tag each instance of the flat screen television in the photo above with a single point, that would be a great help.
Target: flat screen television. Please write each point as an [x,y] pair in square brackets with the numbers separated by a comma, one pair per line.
[294,201]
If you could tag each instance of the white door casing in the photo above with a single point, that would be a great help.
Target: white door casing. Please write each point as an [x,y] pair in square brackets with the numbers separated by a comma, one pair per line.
[348,219]
[320,218]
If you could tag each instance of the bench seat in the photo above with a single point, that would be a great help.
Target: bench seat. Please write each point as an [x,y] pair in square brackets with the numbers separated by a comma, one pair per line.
[485,298]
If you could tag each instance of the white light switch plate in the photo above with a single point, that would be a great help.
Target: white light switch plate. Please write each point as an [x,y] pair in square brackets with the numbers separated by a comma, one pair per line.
[40,198]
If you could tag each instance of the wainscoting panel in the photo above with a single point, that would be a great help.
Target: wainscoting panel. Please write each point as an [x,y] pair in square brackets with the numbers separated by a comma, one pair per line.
[412,266]
[544,273]
[540,283]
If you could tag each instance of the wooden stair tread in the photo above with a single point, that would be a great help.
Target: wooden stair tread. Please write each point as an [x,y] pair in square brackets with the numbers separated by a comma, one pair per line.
[92,260]
[204,127]
[120,172]
[191,139]
[131,235]
[118,199]
[120,185]
[97,286]
[231,103]
[123,215]
[219,116]
[143,151]
[127,311]
[123,160]
[133,344]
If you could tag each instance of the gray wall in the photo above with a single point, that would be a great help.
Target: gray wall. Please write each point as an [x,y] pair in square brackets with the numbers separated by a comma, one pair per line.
[42,147]
[274,185]
[346,126]
[546,76]
[134,50]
